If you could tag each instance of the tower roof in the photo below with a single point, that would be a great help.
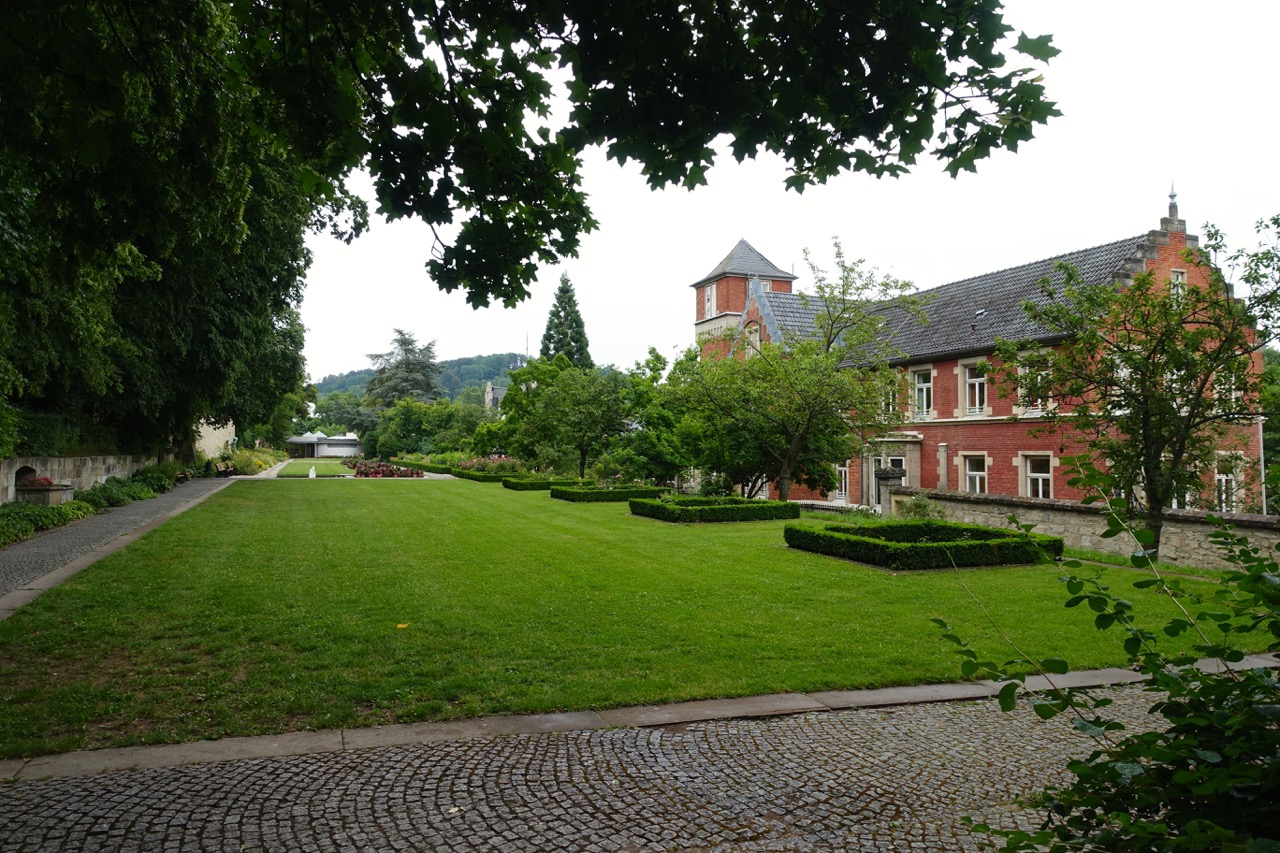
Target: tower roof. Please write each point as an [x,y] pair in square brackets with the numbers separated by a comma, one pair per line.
[745,261]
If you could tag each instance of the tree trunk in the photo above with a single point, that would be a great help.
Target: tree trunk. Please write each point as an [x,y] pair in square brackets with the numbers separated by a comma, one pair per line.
[784,485]
[582,463]
[1154,517]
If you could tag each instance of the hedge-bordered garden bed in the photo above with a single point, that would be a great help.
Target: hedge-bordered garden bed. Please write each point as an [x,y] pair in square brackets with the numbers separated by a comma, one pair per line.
[907,545]
[579,495]
[479,476]
[517,484]
[693,509]
[429,467]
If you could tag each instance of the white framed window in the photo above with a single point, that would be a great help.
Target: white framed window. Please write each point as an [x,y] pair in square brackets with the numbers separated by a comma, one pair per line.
[921,393]
[1225,483]
[1177,282]
[975,390]
[1038,471]
[975,474]
[709,300]
[753,337]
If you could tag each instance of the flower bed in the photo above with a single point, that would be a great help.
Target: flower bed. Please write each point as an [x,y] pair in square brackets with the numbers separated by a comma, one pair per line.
[381,470]
[908,545]
[581,495]
[696,509]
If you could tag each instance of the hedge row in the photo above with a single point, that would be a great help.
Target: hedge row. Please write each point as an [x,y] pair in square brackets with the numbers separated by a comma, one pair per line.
[429,467]
[714,509]
[479,476]
[936,545]
[20,520]
[578,495]
[517,484]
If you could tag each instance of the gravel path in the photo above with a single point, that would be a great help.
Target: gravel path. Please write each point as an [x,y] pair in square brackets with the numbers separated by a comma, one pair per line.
[26,561]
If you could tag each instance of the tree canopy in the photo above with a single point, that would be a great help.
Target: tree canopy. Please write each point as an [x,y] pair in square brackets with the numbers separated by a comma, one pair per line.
[565,332]
[158,170]
[408,372]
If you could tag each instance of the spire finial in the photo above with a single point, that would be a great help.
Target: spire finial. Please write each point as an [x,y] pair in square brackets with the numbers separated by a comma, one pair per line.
[1173,201]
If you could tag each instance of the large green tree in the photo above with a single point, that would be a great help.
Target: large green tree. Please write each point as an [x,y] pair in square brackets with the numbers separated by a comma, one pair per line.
[1156,380]
[565,332]
[583,411]
[798,407]
[409,371]
[449,106]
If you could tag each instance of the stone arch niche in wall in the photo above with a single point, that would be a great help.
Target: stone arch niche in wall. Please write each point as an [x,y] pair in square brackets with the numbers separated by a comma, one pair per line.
[22,473]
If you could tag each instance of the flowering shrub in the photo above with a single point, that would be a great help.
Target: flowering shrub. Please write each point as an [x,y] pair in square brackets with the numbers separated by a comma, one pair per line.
[31,481]
[382,469]
[492,465]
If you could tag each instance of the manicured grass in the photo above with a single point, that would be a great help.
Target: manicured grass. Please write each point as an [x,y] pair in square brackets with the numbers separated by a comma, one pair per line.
[302,468]
[278,605]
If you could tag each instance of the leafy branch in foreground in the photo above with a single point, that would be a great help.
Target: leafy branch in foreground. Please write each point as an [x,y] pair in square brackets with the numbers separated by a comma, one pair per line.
[1209,778]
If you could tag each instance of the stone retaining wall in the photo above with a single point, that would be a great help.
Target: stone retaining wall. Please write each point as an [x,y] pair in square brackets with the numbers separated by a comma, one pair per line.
[80,471]
[1184,539]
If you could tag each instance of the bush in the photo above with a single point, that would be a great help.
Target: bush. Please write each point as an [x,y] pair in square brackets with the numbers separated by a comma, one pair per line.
[14,527]
[919,508]
[383,470]
[429,467]
[581,495]
[39,517]
[492,465]
[480,476]
[518,485]
[910,545]
[75,510]
[713,509]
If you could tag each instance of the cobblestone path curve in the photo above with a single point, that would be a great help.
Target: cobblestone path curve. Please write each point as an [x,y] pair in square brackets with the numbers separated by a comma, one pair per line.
[881,780]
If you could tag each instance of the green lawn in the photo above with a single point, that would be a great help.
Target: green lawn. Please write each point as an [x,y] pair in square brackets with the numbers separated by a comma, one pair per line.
[277,605]
[302,468]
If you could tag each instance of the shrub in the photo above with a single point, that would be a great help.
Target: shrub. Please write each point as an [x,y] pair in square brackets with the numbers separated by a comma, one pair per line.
[909,545]
[39,517]
[429,467]
[74,510]
[383,470]
[919,508]
[479,476]
[581,495]
[13,527]
[690,509]
[491,465]
[518,485]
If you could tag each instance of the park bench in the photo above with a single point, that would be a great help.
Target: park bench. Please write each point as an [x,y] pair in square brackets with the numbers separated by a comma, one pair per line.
[224,469]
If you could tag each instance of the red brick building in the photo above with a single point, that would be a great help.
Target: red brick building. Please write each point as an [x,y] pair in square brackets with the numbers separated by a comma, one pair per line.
[959,433]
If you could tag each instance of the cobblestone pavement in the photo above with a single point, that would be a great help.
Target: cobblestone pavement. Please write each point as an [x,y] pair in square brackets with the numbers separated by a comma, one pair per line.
[26,561]
[896,778]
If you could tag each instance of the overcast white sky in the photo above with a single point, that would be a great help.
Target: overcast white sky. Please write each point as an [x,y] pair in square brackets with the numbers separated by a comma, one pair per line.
[1151,93]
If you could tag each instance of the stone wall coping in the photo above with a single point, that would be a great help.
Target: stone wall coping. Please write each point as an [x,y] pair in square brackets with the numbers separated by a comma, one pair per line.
[1185,516]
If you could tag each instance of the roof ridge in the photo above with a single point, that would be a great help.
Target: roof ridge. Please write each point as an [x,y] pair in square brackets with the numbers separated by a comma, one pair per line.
[1112,243]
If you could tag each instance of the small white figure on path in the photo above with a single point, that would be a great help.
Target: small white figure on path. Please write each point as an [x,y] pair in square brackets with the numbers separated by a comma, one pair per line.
[312,475]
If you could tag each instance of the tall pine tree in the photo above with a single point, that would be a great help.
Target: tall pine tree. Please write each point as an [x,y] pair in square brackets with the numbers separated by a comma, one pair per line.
[565,332]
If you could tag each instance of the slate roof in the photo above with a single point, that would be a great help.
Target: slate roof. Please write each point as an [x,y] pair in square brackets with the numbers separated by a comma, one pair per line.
[965,317]
[745,261]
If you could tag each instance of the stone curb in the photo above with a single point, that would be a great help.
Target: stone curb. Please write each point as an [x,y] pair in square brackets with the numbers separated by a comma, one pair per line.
[92,762]
[28,593]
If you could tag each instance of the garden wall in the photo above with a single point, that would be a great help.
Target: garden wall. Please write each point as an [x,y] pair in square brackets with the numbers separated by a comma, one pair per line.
[1184,540]
[80,471]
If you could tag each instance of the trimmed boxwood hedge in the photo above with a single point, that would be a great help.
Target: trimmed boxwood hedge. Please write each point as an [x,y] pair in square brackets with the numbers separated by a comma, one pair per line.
[580,495]
[517,484]
[907,545]
[479,476]
[713,509]
[428,467]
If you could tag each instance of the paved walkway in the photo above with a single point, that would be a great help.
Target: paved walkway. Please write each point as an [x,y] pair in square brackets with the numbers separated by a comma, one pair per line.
[893,769]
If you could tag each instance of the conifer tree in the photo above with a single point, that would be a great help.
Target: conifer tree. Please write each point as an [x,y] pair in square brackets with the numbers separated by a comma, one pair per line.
[565,332]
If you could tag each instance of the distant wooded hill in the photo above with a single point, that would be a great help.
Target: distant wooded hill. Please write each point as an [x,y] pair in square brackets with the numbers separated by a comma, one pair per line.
[455,374]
